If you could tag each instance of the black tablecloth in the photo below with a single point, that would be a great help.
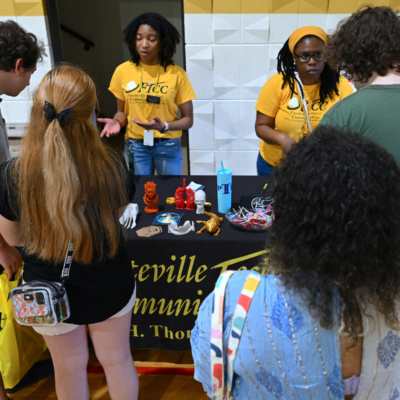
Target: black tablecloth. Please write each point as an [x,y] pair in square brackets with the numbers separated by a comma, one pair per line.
[176,273]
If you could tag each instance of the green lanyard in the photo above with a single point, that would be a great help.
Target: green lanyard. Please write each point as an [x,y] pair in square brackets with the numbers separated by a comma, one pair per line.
[141,90]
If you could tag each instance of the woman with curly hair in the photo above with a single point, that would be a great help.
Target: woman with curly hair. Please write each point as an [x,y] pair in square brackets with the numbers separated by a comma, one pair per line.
[149,89]
[293,101]
[367,47]
[324,320]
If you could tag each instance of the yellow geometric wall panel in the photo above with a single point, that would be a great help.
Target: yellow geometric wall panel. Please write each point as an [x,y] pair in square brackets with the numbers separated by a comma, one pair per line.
[281,6]
[226,7]
[7,8]
[198,6]
[342,6]
[22,8]
[255,6]
[314,7]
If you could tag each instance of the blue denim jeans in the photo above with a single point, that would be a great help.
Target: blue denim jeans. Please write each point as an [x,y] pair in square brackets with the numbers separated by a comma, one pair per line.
[264,168]
[165,157]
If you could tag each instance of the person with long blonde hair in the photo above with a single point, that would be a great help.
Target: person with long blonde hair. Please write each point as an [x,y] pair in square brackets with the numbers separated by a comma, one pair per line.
[62,165]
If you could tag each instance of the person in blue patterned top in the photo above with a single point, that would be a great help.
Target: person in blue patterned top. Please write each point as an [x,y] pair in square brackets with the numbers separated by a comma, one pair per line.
[323,323]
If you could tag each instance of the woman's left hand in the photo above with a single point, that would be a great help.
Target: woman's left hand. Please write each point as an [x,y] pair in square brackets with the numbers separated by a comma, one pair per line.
[156,124]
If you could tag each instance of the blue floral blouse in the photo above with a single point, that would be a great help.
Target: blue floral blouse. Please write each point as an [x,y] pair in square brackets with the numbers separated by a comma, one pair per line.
[284,353]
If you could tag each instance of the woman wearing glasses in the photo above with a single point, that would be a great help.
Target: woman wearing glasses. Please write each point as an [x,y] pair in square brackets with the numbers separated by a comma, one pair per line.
[294,100]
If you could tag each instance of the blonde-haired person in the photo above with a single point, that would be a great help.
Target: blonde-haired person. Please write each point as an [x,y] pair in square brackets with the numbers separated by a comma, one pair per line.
[281,115]
[62,164]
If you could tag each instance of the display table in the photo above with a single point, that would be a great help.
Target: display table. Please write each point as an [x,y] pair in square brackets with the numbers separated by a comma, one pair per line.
[176,273]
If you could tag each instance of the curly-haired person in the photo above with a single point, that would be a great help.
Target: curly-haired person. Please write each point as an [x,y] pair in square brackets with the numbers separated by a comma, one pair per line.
[19,53]
[149,88]
[367,47]
[323,323]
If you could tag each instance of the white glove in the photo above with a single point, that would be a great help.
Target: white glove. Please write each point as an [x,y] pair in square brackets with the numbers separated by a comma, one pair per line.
[128,218]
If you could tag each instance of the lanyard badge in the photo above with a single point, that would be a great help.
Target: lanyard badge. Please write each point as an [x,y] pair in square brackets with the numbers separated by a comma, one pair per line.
[148,138]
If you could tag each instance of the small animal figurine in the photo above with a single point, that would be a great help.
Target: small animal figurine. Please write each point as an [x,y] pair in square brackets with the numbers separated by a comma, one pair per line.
[200,201]
[180,198]
[150,198]
[212,225]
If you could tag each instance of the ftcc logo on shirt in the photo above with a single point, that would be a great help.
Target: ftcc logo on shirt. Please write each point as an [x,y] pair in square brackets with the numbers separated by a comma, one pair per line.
[294,104]
[149,87]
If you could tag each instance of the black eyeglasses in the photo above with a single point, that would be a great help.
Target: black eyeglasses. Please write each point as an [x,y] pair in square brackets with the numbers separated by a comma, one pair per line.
[305,58]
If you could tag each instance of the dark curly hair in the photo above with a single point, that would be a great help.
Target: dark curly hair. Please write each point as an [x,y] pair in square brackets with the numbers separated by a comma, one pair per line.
[168,35]
[15,43]
[337,225]
[286,66]
[367,41]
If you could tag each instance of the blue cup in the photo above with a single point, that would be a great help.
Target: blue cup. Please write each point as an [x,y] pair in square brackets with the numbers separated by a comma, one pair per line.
[224,185]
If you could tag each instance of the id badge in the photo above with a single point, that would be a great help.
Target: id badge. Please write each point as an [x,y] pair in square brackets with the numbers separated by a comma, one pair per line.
[148,138]
[153,99]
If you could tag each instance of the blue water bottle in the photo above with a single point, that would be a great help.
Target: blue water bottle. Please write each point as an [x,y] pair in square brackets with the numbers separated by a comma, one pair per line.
[224,182]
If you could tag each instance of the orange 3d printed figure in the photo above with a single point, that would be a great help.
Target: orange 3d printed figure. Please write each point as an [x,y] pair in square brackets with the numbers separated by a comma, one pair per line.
[150,198]
[180,198]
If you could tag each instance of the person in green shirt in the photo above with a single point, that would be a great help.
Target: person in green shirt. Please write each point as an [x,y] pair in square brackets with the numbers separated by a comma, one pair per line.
[367,47]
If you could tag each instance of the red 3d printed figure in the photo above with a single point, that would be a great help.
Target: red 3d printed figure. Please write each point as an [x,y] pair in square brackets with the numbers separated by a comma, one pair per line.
[180,198]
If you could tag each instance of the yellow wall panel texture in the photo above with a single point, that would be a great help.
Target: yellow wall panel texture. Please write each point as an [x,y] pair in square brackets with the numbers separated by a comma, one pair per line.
[313,6]
[7,8]
[29,8]
[226,6]
[373,2]
[284,6]
[197,6]
[255,6]
[395,4]
[342,6]
[34,7]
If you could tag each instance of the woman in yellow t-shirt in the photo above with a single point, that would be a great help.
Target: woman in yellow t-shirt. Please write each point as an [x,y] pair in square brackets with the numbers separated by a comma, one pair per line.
[149,89]
[294,100]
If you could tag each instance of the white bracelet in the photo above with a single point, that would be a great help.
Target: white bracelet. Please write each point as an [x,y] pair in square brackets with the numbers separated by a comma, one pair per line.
[166,129]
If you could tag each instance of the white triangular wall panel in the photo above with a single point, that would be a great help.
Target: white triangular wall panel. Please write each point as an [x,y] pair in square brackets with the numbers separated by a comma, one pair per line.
[199,53]
[227,28]
[200,70]
[198,28]
[255,28]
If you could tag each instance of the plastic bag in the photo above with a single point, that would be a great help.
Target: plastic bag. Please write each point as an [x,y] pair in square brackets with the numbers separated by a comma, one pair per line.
[20,346]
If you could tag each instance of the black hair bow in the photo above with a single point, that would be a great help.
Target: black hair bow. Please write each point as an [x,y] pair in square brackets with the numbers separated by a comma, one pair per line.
[50,113]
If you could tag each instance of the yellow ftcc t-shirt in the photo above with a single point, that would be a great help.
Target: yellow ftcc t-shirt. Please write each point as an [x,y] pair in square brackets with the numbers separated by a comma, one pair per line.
[174,89]
[288,111]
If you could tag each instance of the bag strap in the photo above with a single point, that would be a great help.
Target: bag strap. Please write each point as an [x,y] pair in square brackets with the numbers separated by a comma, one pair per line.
[219,386]
[217,333]
[68,262]
[303,98]
[239,318]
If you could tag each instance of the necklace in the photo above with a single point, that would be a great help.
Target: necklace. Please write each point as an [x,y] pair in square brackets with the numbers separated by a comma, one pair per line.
[141,90]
